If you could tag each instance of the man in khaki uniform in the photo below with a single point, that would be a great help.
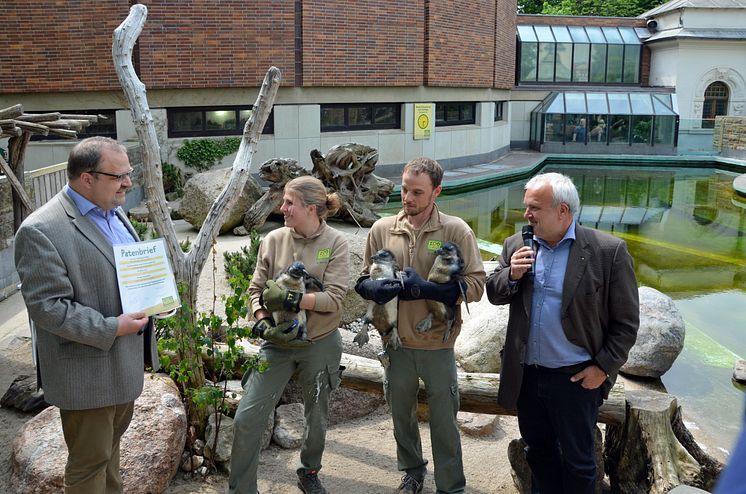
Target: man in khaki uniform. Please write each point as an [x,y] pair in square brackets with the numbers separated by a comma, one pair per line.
[413,236]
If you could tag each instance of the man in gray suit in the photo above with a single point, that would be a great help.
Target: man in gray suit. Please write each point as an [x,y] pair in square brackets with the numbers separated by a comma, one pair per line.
[91,356]
[573,318]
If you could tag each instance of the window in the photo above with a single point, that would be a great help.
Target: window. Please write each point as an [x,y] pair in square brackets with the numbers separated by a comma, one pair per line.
[211,121]
[360,116]
[455,114]
[716,103]
[578,54]
[499,110]
[105,127]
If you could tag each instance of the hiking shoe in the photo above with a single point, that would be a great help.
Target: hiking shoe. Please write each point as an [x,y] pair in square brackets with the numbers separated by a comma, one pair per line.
[410,484]
[308,482]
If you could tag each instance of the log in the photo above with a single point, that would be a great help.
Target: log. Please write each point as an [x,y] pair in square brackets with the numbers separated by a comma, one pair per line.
[39,117]
[32,127]
[89,118]
[69,134]
[16,185]
[478,391]
[645,455]
[279,171]
[11,112]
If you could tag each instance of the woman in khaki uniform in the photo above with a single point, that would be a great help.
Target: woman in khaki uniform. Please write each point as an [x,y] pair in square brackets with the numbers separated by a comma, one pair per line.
[324,251]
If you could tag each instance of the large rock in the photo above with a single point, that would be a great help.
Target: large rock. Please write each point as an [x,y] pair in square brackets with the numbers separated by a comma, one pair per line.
[354,306]
[660,338]
[222,447]
[202,190]
[150,449]
[289,426]
[482,336]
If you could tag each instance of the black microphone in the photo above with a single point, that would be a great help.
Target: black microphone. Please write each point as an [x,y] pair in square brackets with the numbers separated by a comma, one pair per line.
[527,232]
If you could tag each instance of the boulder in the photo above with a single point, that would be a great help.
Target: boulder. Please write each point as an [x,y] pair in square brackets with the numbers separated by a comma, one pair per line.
[219,451]
[354,306]
[202,190]
[482,336]
[289,425]
[150,448]
[477,424]
[739,370]
[660,338]
[23,395]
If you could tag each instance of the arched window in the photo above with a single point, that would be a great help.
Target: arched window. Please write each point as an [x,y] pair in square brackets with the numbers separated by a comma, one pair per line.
[716,103]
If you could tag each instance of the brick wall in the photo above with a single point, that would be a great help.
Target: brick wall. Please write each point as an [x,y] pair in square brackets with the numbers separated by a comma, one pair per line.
[505,43]
[560,20]
[363,43]
[58,46]
[216,43]
[202,44]
[460,51]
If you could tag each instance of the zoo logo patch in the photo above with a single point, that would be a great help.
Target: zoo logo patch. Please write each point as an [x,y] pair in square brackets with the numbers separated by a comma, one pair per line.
[433,245]
[324,254]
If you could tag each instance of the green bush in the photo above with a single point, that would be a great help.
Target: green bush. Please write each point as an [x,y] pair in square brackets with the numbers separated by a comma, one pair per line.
[242,261]
[203,154]
[173,180]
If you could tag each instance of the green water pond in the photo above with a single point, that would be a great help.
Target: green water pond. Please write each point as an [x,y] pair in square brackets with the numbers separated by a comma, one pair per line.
[686,229]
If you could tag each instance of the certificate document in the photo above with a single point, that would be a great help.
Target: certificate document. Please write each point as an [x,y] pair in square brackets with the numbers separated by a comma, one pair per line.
[146,280]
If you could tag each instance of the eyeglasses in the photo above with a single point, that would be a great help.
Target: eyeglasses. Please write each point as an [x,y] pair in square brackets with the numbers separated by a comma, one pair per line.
[118,177]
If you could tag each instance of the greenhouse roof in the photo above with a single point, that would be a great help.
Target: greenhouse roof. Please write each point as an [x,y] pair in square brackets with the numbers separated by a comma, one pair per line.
[617,103]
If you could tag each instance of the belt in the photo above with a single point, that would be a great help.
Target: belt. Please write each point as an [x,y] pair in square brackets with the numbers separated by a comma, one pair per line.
[567,369]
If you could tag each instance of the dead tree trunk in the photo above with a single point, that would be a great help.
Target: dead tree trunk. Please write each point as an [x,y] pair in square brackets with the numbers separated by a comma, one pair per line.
[186,266]
[278,171]
[645,455]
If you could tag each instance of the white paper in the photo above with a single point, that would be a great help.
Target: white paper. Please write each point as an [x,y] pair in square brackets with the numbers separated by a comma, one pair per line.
[146,280]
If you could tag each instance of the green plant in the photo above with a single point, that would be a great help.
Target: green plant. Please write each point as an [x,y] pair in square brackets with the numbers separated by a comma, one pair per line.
[217,339]
[173,180]
[242,261]
[202,154]
[141,228]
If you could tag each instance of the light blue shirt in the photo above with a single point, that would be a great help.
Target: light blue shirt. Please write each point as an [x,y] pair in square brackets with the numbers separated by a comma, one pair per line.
[109,223]
[547,344]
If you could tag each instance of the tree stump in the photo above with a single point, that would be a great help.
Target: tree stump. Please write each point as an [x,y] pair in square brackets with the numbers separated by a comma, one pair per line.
[279,171]
[646,454]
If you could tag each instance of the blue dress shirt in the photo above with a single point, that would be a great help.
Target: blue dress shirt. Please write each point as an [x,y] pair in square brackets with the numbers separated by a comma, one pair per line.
[108,222]
[547,344]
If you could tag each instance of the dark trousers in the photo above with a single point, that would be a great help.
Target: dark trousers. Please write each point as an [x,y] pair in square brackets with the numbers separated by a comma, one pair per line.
[557,419]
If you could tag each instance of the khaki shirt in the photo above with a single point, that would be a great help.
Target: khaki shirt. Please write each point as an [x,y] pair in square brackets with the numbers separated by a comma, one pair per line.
[325,255]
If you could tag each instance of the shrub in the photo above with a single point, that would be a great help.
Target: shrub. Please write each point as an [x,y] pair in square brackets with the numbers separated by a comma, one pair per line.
[203,154]
[242,261]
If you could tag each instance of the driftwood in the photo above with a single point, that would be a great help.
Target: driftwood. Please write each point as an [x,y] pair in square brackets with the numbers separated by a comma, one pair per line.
[653,452]
[478,391]
[277,171]
[347,169]
[187,266]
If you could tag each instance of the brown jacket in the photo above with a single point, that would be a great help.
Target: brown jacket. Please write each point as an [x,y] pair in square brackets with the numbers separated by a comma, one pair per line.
[326,256]
[600,306]
[410,249]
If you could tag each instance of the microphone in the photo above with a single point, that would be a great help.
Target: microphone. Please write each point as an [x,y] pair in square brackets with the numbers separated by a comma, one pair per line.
[527,232]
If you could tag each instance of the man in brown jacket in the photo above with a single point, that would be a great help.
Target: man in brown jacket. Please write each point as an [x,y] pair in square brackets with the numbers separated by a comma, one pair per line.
[413,236]
[574,314]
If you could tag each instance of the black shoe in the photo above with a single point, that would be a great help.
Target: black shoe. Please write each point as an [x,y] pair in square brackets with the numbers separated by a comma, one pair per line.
[409,484]
[309,483]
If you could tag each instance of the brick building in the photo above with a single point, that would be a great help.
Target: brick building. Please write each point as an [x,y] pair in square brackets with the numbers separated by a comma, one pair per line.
[352,71]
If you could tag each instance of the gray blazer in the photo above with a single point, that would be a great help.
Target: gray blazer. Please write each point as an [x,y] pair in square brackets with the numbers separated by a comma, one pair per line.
[69,284]
[600,306]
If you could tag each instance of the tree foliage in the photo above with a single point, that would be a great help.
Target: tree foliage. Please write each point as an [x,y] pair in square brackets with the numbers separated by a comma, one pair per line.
[603,8]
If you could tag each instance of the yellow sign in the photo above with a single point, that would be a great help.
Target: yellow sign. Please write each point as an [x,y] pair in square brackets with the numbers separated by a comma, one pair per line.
[423,120]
